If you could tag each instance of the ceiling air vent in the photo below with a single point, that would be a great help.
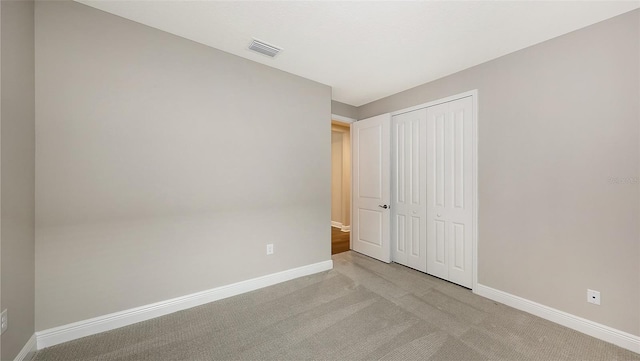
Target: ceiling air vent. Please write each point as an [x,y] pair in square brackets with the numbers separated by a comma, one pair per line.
[264,48]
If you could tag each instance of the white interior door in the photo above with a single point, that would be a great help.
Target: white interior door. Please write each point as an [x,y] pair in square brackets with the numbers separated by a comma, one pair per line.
[449,191]
[408,185]
[370,144]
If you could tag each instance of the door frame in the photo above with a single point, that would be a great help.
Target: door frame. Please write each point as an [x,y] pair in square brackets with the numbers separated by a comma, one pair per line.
[345,131]
[474,164]
[346,121]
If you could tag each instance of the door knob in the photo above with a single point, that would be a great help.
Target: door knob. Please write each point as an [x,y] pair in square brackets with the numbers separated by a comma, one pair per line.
[383,206]
[439,215]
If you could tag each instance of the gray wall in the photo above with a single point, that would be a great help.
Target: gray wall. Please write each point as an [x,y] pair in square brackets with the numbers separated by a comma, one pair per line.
[17,185]
[165,166]
[558,169]
[344,110]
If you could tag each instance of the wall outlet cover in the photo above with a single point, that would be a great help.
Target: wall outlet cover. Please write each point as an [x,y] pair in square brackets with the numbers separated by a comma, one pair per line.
[593,297]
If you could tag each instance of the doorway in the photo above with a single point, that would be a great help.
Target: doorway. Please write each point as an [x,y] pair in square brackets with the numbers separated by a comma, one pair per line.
[340,186]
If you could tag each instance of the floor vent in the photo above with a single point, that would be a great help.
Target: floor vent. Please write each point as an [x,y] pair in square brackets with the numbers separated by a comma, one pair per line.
[264,48]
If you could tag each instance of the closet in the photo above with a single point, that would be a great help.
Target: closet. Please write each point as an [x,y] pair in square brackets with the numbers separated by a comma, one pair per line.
[430,219]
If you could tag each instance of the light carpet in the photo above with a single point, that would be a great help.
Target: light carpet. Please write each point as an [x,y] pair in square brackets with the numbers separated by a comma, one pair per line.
[361,310]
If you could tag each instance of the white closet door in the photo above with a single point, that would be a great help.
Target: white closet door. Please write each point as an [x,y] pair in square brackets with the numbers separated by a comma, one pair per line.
[371,190]
[449,191]
[408,184]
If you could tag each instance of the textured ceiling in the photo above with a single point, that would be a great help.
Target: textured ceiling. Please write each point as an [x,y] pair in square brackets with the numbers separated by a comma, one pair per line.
[367,50]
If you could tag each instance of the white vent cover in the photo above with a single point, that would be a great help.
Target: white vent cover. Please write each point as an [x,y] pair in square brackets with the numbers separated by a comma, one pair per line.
[264,48]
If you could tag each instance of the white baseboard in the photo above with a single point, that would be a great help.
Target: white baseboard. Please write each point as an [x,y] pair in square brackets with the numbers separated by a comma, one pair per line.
[72,331]
[28,351]
[342,227]
[599,331]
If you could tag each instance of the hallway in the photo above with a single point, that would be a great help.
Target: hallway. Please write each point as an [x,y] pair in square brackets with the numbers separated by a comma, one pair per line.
[339,240]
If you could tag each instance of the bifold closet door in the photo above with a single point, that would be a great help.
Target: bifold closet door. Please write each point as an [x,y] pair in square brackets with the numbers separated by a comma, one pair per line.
[408,184]
[449,191]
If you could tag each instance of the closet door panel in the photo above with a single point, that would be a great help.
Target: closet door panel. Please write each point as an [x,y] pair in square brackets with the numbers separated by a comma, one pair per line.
[409,189]
[449,191]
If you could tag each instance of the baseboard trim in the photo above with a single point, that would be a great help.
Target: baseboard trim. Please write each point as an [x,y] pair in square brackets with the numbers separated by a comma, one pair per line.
[28,351]
[72,331]
[594,329]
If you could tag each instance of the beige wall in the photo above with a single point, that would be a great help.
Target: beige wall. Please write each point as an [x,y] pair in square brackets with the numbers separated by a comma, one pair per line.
[345,171]
[559,127]
[17,173]
[336,176]
[346,178]
[344,110]
[162,169]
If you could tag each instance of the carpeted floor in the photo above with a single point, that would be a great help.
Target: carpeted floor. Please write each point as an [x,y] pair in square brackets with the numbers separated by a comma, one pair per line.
[361,310]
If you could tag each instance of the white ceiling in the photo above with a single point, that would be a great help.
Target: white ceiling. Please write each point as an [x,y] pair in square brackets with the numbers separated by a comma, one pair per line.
[367,50]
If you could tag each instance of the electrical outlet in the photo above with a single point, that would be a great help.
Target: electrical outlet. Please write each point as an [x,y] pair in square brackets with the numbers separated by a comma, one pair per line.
[4,319]
[593,297]
[270,248]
